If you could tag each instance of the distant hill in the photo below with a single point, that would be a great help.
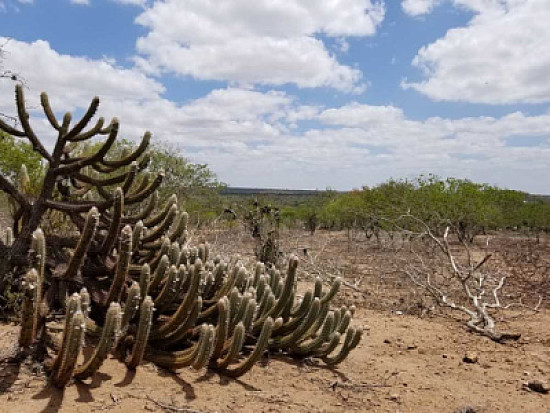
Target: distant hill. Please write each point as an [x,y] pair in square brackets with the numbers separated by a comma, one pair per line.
[270,191]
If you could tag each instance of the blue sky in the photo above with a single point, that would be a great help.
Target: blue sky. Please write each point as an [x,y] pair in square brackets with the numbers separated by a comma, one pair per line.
[301,93]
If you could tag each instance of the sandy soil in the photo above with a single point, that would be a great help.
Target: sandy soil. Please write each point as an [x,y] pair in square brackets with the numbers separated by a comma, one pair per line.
[404,364]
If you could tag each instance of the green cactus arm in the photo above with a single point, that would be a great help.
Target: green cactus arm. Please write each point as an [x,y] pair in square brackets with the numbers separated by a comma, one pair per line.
[233,350]
[144,281]
[205,350]
[72,306]
[335,287]
[137,233]
[95,130]
[280,305]
[142,335]
[90,225]
[163,250]
[8,237]
[258,271]
[80,125]
[69,351]
[133,300]
[321,317]
[143,184]
[130,177]
[38,245]
[303,305]
[123,263]
[304,349]
[203,252]
[85,302]
[168,291]
[298,318]
[249,314]
[24,120]
[181,331]
[258,351]
[177,359]
[140,150]
[161,229]
[114,228]
[297,335]
[90,160]
[353,337]
[28,325]
[285,314]
[161,216]
[344,322]
[145,212]
[234,301]
[136,197]
[207,290]
[240,311]
[159,273]
[334,340]
[178,318]
[181,227]
[222,328]
[106,342]
[274,277]
[174,253]
[318,287]
[45,102]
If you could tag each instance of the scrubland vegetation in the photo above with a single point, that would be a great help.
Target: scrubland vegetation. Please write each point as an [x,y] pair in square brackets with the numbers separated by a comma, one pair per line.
[113,250]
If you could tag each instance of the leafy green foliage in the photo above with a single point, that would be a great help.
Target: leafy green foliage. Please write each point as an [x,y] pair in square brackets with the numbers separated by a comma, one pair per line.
[471,208]
[17,152]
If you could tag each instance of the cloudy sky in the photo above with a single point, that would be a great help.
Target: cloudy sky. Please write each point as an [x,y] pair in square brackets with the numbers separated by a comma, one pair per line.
[302,93]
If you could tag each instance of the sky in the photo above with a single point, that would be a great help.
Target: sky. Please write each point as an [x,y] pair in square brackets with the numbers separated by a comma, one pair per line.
[301,94]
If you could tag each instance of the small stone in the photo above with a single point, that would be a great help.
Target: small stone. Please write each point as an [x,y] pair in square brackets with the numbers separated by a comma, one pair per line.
[387,341]
[444,356]
[395,397]
[538,386]
[470,358]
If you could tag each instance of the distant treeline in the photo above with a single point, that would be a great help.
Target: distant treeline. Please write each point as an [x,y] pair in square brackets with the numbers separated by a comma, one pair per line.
[470,207]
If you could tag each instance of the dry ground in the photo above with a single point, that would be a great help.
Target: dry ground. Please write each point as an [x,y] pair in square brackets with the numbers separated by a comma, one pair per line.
[404,364]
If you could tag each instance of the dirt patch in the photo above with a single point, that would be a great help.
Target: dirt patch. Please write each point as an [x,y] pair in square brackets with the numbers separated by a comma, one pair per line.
[404,363]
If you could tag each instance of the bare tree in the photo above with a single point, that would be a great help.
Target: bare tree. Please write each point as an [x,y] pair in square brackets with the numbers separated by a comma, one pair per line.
[466,287]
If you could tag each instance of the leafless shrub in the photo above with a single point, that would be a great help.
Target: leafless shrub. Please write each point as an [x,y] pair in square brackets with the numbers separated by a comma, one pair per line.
[461,282]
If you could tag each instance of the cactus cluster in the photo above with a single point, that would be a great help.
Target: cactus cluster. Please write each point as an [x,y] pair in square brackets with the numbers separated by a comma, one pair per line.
[132,285]
[183,308]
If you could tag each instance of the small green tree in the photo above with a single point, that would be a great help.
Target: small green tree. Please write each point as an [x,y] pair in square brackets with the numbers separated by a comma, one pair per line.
[15,153]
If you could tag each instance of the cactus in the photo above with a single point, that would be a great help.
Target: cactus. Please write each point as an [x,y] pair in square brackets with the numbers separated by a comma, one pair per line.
[181,306]
[28,326]
[108,336]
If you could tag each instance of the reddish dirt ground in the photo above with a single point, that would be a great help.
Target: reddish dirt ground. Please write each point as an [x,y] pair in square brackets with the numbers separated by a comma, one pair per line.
[403,364]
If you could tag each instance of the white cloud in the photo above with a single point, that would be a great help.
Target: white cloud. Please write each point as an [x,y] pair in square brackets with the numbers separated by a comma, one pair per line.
[81,2]
[502,56]
[71,80]
[253,138]
[255,41]
[418,7]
